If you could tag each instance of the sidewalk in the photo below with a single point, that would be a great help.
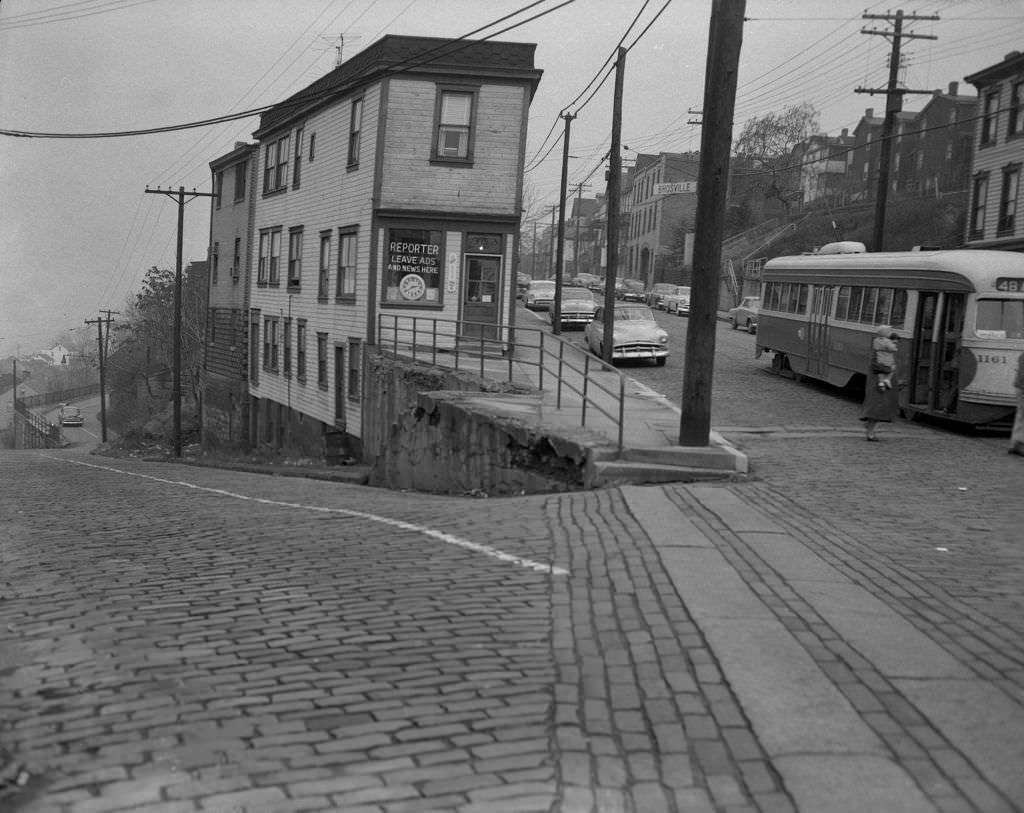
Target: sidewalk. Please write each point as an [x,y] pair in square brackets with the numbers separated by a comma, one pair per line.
[895,723]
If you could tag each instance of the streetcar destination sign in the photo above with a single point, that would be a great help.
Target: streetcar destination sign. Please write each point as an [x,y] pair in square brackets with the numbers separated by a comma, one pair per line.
[1014,285]
[675,188]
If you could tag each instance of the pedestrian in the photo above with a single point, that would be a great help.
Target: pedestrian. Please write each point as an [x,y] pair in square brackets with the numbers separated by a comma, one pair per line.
[1017,436]
[881,398]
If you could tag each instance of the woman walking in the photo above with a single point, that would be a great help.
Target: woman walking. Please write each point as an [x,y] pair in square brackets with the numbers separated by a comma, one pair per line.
[881,397]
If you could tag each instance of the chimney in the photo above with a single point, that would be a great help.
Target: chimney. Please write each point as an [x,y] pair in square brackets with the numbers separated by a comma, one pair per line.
[953,88]
[869,113]
[846,132]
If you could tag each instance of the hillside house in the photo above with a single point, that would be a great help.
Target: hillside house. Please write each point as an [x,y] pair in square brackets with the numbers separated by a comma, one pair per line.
[992,220]
[392,186]
[226,401]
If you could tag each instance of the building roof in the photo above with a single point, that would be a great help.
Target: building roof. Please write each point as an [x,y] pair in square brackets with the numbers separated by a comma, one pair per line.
[402,54]
[1012,65]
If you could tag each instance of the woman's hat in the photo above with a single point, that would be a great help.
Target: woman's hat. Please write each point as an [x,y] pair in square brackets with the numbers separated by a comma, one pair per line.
[886,332]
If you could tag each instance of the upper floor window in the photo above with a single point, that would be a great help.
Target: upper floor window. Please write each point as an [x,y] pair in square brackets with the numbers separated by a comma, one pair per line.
[324,268]
[236,262]
[312,147]
[978,199]
[1008,198]
[241,173]
[454,125]
[287,346]
[300,350]
[1015,125]
[295,257]
[347,243]
[988,120]
[297,169]
[218,187]
[275,164]
[271,344]
[214,263]
[354,129]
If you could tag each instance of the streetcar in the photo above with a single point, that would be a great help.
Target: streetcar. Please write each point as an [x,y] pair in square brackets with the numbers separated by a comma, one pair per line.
[959,314]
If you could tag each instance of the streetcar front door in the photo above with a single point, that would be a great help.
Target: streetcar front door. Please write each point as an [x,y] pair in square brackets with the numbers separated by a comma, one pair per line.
[817,332]
[935,357]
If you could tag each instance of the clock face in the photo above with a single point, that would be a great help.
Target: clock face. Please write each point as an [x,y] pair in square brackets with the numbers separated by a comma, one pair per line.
[412,286]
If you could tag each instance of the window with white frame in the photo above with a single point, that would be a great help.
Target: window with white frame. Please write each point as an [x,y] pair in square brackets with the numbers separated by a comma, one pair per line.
[218,187]
[454,127]
[324,268]
[978,198]
[354,130]
[287,327]
[236,262]
[271,345]
[274,276]
[275,164]
[1008,198]
[297,168]
[355,356]
[214,263]
[1015,122]
[300,350]
[263,261]
[241,173]
[988,120]
[295,257]
[345,287]
[321,360]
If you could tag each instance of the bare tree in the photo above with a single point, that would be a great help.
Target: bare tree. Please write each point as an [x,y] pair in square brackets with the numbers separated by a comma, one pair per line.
[765,149]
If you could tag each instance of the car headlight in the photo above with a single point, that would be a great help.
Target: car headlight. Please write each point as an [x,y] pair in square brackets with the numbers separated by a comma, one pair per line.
[663,339]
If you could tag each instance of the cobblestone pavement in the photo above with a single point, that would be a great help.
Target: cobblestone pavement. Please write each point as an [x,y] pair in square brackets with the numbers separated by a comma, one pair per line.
[185,639]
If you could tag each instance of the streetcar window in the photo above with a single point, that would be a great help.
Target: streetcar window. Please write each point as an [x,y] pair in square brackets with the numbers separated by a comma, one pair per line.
[843,302]
[856,296]
[883,306]
[867,309]
[801,304]
[899,308]
[1000,319]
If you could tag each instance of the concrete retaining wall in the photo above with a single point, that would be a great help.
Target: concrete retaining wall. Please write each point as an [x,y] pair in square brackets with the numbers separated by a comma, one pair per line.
[449,431]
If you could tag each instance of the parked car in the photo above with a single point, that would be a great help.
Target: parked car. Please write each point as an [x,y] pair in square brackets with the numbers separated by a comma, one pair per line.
[69,415]
[632,290]
[522,283]
[635,334]
[745,314]
[584,280]
[656,296]
[578,307]
[540,293]
[678,302]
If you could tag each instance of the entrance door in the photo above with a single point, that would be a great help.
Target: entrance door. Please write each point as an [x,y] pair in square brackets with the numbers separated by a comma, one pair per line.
[938,330]
[817,332]
[480,296]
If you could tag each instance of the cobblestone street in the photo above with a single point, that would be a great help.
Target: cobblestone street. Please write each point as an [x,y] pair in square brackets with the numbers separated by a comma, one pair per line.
[187,639]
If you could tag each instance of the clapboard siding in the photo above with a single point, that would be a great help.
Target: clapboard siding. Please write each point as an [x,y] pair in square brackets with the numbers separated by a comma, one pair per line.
[410,181]
[330,196]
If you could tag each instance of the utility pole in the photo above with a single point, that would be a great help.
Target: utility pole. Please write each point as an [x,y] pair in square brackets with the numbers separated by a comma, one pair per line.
[103,358]
[614,182]
[548,258]
[181,201]
[556,326]
[576,242]
[724,40]
[893,105]
[533,265]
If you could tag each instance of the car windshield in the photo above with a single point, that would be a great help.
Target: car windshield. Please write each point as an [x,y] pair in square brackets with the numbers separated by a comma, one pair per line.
[577,293]
[69,412]
[638,314]
[634,285]
[542,287]
[683,290]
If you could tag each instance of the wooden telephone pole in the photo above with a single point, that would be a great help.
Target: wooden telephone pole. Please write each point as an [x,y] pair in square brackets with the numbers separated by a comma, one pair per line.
[181,201]
[556,323]
[102,344]
[614,184]
[724,41]
[893,105]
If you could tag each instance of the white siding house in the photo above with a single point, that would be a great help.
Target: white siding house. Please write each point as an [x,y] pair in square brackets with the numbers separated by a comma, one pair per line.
[392,185]
[992,218]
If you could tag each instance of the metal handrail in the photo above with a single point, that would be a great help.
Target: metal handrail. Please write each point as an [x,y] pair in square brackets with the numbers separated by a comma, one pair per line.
[423,337]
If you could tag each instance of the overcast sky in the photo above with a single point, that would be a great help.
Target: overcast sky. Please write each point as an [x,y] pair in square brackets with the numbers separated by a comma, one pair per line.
[78,232]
